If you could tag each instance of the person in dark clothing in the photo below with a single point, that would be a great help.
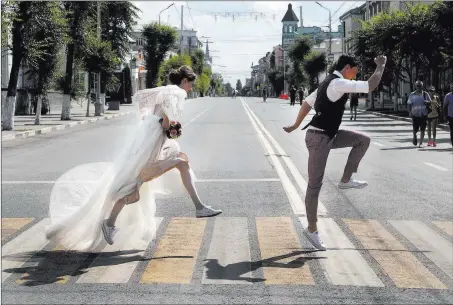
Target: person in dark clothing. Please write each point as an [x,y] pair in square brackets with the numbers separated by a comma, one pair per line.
[353,103]
[324,133]
[264,94]
[292,95]
[301,95]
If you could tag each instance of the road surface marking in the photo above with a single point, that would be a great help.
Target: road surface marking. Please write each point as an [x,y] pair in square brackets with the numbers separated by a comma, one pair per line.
[434,246]
[30,241]
[108,268]
[436,166]
[378,144]
[176,254]
[240,180]
[295,200]
[279,246]
[344,265]
[196,117]
[96,181]
[289,163]
[228,260]
[446,226]
[398,263]
[12,225]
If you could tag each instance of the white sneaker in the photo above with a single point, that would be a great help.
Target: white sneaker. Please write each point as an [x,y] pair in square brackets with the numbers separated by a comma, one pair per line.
[315,239]
[207,211]
[353,184]
[109,232]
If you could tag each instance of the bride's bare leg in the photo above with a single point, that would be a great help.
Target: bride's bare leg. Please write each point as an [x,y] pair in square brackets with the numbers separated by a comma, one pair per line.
[184,170]
[119,205]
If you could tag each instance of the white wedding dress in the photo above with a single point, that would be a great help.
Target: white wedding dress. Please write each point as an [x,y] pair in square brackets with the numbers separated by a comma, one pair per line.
[84,196]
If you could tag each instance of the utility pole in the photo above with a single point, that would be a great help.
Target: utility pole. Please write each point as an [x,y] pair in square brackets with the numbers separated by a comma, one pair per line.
[329,49]
[98,103]
[182,28]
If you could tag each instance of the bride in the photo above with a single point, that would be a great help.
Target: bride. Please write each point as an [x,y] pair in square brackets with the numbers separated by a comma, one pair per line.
[86,204]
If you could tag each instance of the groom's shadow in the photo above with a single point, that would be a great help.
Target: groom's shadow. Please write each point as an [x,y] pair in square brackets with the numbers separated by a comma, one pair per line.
[236,271]
[57,266]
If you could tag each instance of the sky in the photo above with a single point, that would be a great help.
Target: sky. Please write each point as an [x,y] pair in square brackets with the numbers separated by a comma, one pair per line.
[238,43]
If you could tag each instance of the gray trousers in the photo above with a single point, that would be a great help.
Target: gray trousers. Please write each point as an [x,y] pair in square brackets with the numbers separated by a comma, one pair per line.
[319,146]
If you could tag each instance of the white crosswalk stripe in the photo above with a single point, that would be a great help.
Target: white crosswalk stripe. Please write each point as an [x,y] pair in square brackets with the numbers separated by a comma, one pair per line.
[228,258]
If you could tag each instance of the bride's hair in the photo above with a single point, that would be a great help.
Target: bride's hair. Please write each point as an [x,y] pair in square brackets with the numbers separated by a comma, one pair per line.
[176,76]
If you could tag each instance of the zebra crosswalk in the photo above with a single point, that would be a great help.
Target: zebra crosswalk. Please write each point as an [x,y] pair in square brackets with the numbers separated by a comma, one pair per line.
[243,251]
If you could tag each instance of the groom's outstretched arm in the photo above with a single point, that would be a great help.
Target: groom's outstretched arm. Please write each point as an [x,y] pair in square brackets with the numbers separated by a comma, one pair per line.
[308,103]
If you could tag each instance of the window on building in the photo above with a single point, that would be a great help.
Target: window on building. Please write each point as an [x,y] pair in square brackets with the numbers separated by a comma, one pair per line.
[290,28]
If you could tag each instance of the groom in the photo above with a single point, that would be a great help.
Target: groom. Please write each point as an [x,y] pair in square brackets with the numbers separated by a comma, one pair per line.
[324,132]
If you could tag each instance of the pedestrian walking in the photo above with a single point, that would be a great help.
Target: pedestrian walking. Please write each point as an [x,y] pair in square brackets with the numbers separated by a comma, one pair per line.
[417,103]
[433,116]
[448,109]
[353,103]
[83,214]
[324,133]
[301,95]
[292,95]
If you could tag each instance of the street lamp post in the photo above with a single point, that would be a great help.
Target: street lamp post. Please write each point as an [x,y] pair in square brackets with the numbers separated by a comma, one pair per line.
[165,10]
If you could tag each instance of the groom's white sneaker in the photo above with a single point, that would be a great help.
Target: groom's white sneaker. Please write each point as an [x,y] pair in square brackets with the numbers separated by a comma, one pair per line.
[353,184]
[207,211]
[315,240]
[109,232]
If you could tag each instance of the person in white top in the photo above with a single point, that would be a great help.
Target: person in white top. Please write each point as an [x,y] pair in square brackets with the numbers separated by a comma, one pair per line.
[324,132]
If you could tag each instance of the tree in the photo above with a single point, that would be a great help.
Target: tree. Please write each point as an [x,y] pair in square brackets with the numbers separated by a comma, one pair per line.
[203,81]
[26,18]
[238,85]
[98,58]
[77,13]
[229,88]
[128,83]
[159,40]
[118,19]
[314,64]
[300,48]
[51,31]
[172,63]
[276,79]
[197,58]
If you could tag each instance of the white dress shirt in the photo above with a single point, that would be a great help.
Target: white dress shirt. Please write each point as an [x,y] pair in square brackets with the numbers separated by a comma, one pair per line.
[337,88]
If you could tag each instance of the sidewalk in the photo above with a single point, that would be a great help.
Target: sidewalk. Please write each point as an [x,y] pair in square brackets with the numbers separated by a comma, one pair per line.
[362,107]
[24,125]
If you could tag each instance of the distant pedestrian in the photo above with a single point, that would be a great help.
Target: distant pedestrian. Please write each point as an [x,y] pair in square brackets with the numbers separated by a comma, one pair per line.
[418,110]
[301,95]
[433,116]
[353,103]
[292,95]
[448,110]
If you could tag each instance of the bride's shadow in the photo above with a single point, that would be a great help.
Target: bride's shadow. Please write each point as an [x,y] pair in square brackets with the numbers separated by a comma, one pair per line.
[57,266]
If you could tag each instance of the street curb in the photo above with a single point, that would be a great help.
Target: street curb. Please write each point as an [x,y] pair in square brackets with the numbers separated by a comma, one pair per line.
[32,133]
[398,118]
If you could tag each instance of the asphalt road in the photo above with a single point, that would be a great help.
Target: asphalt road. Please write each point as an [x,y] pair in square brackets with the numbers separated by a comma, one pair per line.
[390,243]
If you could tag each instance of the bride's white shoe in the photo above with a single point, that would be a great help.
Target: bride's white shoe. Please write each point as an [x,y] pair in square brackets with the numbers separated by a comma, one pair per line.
[207,211]
[109,232]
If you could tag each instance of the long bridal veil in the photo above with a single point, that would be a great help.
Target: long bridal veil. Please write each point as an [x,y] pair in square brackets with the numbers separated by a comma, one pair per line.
[84,196]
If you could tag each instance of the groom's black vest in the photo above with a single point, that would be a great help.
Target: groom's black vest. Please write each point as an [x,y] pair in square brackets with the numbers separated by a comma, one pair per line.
[328,114]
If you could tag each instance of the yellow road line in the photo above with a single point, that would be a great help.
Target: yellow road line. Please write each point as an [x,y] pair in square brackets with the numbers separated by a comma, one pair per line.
[12,225]
[278,241]
[405,270]
[176,253]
